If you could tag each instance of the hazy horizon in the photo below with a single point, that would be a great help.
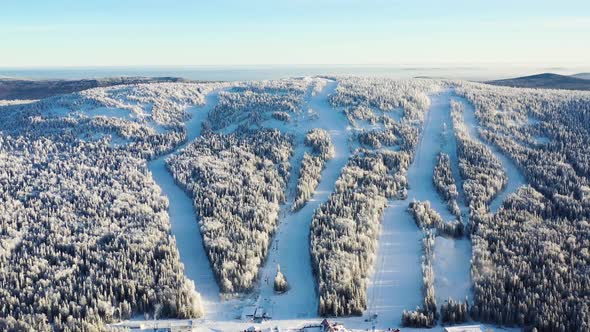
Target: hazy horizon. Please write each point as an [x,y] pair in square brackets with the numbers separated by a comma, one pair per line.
[255,72]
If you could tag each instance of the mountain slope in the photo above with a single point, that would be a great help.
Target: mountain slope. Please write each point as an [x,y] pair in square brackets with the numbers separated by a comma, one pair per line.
[545,81]
[585,76]
[33,89]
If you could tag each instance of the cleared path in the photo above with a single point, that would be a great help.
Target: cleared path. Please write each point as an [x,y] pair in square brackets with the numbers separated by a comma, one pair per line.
[183,220]
[290,247]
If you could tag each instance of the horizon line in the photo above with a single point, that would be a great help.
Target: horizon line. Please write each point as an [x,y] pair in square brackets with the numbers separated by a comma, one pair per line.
[442,65]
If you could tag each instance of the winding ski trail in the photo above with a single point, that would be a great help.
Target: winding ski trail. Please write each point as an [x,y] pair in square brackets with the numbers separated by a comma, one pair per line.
[183,219]
[396,282]
[290,247]
[515,177]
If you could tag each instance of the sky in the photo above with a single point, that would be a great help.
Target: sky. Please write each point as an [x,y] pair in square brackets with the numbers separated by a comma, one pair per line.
[63,33]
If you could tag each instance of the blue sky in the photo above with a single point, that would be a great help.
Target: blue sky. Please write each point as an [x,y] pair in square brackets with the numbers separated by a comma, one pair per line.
[231,32]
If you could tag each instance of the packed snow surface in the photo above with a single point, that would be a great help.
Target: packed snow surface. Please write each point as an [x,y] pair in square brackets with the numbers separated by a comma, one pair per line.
[290,248]
[397,279]
[184,224]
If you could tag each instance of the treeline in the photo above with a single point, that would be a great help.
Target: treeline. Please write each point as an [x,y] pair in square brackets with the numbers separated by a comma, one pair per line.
[313,164]
[378,138]
[237,182]
[427,218]
[530,260]
[453,312]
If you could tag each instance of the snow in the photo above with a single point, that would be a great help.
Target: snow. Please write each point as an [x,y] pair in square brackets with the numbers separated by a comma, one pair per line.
[396,279]
[542,140]
[290,246]
[113,139]
[17,102]
[185,226]
[396,282]
[421,170]
[452,269]
[449,146]
[111,112]
[515,177]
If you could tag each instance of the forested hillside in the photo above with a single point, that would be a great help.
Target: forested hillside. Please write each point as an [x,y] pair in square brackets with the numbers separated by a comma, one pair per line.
[344,230]
[495,202]
[530,262]
[237,182]
[85,235]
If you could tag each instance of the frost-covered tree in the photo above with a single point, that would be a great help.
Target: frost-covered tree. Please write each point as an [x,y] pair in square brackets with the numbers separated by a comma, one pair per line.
[427,218]
[445,183]
[482,172]
[427,315]
[453,312]
[280,282]
[84,233]
[237,182]
[344,230]
[529,263]
[313,164]
[253,103]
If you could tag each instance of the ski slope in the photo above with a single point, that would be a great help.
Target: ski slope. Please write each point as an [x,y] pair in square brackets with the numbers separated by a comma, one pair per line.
[183,220]
[515,177]
[290,247]
[396,281]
